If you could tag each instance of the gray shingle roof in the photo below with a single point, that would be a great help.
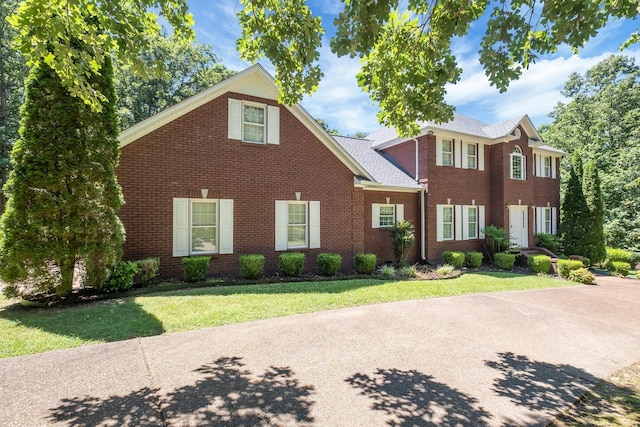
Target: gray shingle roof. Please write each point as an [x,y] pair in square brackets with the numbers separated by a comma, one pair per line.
[378,166]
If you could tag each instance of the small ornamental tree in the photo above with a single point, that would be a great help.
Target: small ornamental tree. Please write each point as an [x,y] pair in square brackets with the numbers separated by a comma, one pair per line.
[62,192]
[594,243]
[574,211]
[402,237]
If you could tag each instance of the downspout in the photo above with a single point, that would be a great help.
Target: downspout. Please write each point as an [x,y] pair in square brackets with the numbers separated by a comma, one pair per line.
[422,214]
[417,169]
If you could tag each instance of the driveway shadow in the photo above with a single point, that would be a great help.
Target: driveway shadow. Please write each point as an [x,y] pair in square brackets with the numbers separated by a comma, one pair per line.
[412,398]
[225,394]
[536,385]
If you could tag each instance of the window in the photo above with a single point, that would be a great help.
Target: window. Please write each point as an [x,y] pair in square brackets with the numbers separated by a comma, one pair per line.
[386,215]
[447,152]
[547,220]
[253,124]
[472,222]
[546,168]
[297,225]
[518,164]
[472,155]
[202,226]
[447,223]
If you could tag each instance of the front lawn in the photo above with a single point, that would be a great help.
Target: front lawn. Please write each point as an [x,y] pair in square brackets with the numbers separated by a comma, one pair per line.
[28,331]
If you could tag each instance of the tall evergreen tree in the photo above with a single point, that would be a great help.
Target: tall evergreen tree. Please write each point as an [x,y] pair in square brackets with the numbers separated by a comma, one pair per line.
[63,194]
[594,238]
[573,211]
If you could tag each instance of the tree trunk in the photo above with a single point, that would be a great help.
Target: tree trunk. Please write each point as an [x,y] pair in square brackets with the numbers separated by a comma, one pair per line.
[67,268]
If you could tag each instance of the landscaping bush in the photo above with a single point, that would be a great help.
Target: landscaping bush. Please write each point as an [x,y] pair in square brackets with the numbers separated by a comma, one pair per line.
[120,277]
[387,270]
[549,241]
[619,267]
[635,258]
[453,258]
[539,263]
[402,237]
[565,266]
[586,262]
[582,275]
[474,259]
[410,271]
[328,263]
[252,266]
[497,239]
[365,263]
[445,270]
[505,261]
[290,263]
[619,255]
[148,269]
[195,268]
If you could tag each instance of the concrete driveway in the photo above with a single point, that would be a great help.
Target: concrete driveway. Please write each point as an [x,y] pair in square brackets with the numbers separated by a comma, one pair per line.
[511,358]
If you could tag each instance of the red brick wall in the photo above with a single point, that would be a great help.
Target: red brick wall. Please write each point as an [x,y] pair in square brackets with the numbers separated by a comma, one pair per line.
[405,156]
[193,152]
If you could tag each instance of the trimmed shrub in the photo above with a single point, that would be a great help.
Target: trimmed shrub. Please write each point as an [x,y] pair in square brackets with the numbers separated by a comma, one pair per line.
[635,258]
[328,263]
[252,266]
[619,267]
[290,263]
[565,266]
[195,268]
[549,241]
[410,271]
[148,269]
[453,258]
[445,270]
[474,259]
[365,263]
[120,277]
[582,275]
[505,261]
[387,270]
[539,263]
[586,262]
[619,255]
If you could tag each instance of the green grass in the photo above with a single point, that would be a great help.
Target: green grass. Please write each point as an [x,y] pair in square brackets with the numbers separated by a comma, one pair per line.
[31,331]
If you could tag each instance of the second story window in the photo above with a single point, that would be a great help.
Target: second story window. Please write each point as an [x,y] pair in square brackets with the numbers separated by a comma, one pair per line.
[546,166]
[518,164]
[253,123]
[447,152]
[472,155]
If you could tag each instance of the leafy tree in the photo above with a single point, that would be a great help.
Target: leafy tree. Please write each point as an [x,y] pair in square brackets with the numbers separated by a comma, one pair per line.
[594,239]
[63,194]
[405,47]
[326,126]
[602,119]
[574,211]
[12,75]
[48,30]
[191,67]
[402,238]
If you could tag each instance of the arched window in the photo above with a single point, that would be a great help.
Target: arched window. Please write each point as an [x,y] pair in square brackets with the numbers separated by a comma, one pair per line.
[518,164]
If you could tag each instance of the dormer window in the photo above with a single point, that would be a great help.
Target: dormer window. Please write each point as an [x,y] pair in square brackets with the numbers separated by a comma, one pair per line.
[518,164]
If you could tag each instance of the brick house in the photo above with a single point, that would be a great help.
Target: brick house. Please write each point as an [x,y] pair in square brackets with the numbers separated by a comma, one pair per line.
[230,172]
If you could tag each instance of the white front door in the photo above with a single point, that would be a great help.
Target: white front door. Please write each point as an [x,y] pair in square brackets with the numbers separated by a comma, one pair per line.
[519,226]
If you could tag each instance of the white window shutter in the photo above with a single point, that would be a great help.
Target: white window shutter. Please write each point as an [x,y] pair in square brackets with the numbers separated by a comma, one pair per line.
[553,167]
[314,225]
[438,152]
[539,219]
[439,218]
[273,128]
[235,119]
[524,167]
[458,222]
[465,222]
[465,156]
[481,221]
[554,221]
[457,153]
[226,226]
[399,213]
[180,227]
[538,165]
[481,157]
[282,221]
[375,215]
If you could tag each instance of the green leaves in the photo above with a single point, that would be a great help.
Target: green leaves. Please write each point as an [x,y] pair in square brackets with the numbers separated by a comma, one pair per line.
[75,37]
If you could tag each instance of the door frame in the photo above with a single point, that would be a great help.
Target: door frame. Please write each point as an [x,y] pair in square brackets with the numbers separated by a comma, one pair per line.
[519,233]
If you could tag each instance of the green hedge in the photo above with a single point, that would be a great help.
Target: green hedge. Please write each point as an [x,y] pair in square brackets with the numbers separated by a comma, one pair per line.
[252,266]
[195,268]
[120,277]
[582,275]
[290,264]
[328,263]
[473,259]
[539,263]
[365,263]
[619,255]
[565,266]
[619,267]
[148,269]
[504,260]
[453,258]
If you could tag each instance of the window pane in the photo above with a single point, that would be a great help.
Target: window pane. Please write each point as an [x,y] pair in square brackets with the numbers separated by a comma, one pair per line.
[254,114]
[387,216]
[203,214]
[447,152]
[516,166]
[473,223]
[447,215]
[447,231]
[297,235]
[297,230]
[203,239]
[297,213]
[254,133]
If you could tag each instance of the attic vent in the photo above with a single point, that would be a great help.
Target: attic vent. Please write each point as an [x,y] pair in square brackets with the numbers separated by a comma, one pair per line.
[517,133]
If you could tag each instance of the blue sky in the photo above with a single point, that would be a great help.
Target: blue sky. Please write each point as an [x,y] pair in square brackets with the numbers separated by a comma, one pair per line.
[345,107]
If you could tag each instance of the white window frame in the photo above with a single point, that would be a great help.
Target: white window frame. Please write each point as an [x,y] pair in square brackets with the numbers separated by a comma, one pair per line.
[546,166]
[451,224]
[517,154]
[472,159]
[312,226]
[468,225]
[290,225]
[246,123]
[547,221]
[398,214]
[183,226]
[192,226]
[450,153]
[392,217]
[236,122]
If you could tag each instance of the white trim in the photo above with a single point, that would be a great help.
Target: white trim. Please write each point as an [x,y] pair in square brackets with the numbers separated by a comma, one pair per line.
[180,227]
